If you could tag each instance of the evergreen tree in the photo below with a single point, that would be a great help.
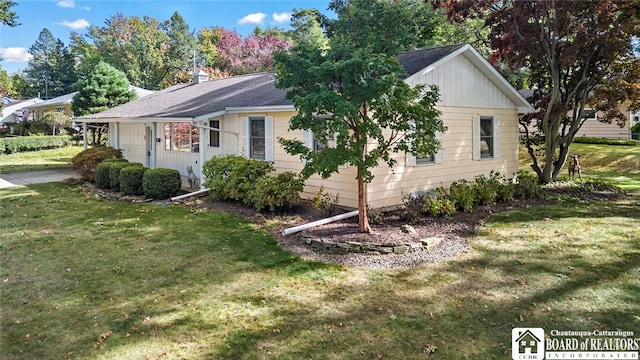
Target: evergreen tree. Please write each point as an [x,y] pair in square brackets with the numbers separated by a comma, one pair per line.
[51,70]
[104,88]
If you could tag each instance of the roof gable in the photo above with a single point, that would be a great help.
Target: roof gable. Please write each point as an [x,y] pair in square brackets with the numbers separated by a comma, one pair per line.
[423,63]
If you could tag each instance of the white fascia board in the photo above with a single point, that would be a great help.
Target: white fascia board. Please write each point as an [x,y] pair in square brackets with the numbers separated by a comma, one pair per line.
[130,120]
[271,108]
[206,117]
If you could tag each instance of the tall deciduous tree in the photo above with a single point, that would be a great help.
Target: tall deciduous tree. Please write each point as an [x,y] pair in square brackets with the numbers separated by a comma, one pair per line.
[8,17]
[51,70]
[580,56]
[353,92]
[105,87]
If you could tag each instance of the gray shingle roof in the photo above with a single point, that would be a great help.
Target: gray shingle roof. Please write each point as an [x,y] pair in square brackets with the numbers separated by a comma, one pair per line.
[416,60]
[192,100]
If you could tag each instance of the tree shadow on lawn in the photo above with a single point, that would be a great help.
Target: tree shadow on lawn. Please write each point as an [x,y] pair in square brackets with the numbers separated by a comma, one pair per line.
[466,308]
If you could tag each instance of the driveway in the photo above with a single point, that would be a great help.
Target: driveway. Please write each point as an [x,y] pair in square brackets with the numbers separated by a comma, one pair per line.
[36,177]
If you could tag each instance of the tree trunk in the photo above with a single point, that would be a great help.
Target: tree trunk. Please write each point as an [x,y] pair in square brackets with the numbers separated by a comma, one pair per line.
[363,219]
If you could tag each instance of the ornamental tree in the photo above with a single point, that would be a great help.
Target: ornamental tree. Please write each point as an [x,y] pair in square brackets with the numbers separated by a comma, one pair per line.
[579,55]
[352,91]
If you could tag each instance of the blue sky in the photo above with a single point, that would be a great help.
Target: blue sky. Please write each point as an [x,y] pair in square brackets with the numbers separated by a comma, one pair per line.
[63,16]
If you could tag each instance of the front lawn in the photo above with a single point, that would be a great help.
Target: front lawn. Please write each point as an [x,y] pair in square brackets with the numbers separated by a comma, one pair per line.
[85,278]
[38,160]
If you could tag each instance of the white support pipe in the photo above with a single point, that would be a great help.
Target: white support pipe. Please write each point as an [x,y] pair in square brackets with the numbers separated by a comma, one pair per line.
[299,228]
[180,197]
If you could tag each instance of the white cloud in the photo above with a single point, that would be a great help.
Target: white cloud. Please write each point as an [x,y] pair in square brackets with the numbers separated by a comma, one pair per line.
[281,17]
[257,18]
[67,3]
[76,25]
[15,54]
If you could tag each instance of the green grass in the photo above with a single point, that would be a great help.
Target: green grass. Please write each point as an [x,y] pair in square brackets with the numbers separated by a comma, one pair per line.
[619,164]
[38,160]
[84,278]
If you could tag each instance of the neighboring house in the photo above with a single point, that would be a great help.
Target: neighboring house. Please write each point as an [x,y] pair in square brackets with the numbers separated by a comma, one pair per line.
[17,111]
[593,127]
[63,103]
[187,124]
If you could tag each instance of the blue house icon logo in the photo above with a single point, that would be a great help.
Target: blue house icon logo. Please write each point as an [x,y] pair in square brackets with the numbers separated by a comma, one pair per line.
[527,344]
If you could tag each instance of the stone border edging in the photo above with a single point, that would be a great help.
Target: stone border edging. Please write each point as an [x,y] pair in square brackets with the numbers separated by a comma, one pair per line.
[369,248]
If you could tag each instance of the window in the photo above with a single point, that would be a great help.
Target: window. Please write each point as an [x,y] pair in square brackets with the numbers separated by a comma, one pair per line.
[214,136]
[257,137]
[181,137]
[60,109]
[486,137]
[427,159]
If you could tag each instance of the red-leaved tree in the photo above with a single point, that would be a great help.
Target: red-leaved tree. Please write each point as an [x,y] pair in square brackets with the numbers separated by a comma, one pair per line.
[579,54]
[242,55]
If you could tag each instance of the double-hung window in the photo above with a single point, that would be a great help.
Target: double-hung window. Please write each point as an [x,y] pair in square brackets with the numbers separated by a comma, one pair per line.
[486,137]
[257,137]
[214,136]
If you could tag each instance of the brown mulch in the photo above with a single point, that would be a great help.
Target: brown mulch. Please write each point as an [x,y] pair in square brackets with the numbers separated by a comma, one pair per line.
[451,230]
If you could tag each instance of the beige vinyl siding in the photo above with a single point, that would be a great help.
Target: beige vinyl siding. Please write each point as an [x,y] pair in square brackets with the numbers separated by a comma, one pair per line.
[597,129]
[342,183]
[388,185]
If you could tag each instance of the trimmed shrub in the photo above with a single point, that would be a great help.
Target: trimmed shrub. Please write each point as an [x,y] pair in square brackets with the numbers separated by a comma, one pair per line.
[325,202]
[114,173]
[486,189]
[131,179]
[32,143]
[103,172]
[527,185]
[413,204]
[86,162]
[233,177]
[274,192]
[606,141]
[463,195]
[161,183]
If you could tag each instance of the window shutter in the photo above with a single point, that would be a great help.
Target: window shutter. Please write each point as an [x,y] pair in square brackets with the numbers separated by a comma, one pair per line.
[268,138]
[245,136]
[307,138]
[476,137]
[409,159]
[438,156]
[496,137]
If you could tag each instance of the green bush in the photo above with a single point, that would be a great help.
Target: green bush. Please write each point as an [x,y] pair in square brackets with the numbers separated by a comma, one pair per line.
[86,162]
[413,204]
[605,141]
[439,206]
[103,172]
[463,195]
[131,179]
[590,185]
[32,143]
[325,202]
[233,176]
[275,192]
[114,173]
[486,189]
[527,185]
[161,183]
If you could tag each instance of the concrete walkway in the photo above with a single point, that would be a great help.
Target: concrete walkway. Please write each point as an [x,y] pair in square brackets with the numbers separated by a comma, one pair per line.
[36,177]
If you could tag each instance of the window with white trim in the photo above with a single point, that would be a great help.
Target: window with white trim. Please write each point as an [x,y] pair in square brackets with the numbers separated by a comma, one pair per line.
[181,136]
[257,137]
[214,136]
[427,159]
[486,137]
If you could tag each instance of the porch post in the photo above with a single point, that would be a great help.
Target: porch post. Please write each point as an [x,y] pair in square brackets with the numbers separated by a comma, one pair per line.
[117,137]
[84,135]
[201,150]
[154,144]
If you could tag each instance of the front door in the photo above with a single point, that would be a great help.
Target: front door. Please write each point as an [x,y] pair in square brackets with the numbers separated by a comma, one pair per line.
[148,136]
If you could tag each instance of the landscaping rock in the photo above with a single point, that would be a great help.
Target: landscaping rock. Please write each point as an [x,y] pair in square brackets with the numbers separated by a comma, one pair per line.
[408,229]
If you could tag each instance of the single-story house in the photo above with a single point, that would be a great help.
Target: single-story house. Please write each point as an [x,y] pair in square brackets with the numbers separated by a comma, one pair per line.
[187,124]
[17,111]
[593,127]
[63,103]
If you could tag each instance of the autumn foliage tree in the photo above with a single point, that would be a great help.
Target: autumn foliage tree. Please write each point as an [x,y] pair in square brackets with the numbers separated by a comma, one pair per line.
[579,55]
